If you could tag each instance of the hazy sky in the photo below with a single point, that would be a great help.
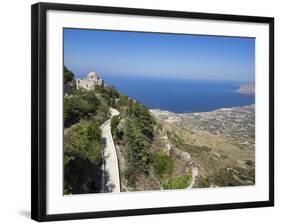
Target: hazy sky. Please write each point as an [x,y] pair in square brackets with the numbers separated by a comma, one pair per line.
[137,54]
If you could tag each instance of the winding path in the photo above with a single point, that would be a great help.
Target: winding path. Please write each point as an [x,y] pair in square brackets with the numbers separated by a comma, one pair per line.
[111,179]
[194,175]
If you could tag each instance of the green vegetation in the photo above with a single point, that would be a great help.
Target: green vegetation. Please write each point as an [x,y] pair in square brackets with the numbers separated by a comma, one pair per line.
[71,116]
[88,104]
[179,182]
[142,142]
[135,135]
[192,149]
[163,164]
[117,134]
[84,112]
[142,119]
[138,147]
[108,94]
[67,75]
[84,105]
[82,158]
[134,131]
[219,168]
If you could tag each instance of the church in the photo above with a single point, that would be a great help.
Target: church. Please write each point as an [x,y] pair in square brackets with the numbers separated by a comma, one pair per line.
[90,82]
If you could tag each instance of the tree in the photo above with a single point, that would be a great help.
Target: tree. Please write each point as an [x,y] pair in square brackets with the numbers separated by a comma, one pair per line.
[94,132]
[114,123]
[82,158]
[70,115]
[163,164]
[85,103]
[67,75]
[109,94]
[139,146]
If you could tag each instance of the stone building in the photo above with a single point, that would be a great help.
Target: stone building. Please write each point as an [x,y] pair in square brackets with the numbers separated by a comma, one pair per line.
[90,82]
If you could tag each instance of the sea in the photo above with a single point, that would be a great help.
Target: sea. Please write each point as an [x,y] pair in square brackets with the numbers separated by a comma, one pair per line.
[181,96]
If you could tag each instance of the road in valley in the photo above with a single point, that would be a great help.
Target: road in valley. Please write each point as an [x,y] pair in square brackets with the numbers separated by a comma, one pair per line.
[111,179]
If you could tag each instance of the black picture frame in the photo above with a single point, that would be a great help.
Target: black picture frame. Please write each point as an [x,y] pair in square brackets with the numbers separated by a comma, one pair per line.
[39,123]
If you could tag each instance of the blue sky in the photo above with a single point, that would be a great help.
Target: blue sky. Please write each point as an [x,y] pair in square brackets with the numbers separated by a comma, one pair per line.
[152,55]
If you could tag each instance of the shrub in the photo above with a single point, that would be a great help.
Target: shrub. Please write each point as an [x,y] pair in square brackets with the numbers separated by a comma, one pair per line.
[82,158]
[114,123]
[70,115]
[82,105]
[86,103]
[109,94]
[116,133]
[163,164]
[139,148]
[67,75]
[179,182]
[143,119]
[94,132]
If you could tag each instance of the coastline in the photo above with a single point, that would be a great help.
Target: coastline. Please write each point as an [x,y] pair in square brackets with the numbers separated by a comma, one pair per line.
[221,143]
[156,110]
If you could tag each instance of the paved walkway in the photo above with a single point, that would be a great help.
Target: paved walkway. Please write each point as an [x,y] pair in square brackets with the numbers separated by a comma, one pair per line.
[111,180]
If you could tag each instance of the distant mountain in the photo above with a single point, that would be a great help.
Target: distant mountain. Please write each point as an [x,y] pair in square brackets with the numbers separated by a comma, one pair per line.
[248,88]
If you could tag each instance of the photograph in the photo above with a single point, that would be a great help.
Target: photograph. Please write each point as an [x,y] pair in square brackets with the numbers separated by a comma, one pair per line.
[148,111]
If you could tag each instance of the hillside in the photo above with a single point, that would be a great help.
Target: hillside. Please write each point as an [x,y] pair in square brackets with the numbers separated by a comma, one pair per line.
[221,143]
[145,158]
[155,149]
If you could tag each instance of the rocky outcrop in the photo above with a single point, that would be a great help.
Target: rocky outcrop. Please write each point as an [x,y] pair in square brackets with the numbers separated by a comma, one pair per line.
[248,88]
